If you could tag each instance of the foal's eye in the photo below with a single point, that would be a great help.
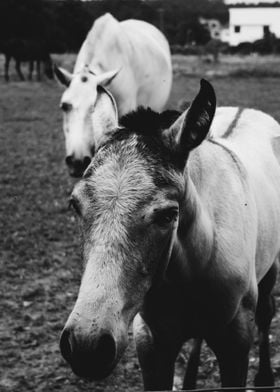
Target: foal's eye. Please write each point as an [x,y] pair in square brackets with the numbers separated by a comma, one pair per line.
[165,217]
[73,204]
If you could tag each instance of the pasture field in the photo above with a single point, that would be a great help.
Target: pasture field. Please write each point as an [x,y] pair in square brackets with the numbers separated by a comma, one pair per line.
[39,242]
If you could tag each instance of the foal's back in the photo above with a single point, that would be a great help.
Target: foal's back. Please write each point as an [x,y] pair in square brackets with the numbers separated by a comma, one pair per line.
[247,166]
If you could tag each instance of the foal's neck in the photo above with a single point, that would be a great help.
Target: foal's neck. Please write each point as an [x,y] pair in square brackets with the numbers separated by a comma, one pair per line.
[194,242]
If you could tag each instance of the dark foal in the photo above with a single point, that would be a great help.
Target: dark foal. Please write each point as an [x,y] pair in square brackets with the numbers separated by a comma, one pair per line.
[27,51]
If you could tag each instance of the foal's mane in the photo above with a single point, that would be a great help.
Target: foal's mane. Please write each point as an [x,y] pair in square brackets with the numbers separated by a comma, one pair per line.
[148,125]
[144,121]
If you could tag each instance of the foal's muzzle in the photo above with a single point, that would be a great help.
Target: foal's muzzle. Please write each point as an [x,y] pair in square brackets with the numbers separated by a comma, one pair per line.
[77,167]
[92,359]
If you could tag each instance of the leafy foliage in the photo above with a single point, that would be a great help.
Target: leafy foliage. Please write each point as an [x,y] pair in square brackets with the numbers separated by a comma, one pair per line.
[63,24]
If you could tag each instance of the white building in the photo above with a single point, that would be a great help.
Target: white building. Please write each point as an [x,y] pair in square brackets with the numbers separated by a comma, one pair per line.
[249,20]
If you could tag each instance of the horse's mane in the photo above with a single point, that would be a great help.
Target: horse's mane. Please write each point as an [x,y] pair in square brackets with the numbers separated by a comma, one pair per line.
[144,121]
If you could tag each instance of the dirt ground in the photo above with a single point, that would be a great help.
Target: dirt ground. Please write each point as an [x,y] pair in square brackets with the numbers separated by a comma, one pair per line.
[39,244]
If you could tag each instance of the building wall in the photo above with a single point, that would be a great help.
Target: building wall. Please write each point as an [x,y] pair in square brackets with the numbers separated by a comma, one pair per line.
[251,22]
[236,2]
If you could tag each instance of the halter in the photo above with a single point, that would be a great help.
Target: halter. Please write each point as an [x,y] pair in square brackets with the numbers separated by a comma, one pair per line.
[86,67]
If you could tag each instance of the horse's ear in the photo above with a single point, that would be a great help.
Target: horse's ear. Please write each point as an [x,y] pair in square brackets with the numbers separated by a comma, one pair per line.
[192,127]
[64,77]
[105,78]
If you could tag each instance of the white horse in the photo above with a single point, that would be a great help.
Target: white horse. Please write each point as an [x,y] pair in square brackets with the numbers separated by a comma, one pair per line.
[181,223]
[132,58]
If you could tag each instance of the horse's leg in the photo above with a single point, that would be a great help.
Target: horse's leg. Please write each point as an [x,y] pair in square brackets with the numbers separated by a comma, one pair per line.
[232,345]
[31,67]
[20,74]
[156,356]
[7,64]
[38,69]
[192,367]
[264,315]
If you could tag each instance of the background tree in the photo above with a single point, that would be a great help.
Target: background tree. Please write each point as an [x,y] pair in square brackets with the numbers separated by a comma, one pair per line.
[64,24]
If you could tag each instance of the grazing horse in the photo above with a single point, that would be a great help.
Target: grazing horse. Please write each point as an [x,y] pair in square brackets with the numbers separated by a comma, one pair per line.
[181,233]
[133,59]
[27,51]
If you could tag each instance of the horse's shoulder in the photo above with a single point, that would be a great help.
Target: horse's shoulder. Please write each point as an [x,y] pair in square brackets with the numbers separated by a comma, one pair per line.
[106,21]
[141,27]
[105,42]
[146,40]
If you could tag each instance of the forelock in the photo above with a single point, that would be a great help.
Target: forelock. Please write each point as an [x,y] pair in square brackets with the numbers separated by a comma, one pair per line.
[148,127]
[139,142]
[142,158]
[117,182]
[117,161]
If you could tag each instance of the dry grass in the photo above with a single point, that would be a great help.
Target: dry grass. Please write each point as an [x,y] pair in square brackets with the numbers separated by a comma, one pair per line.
[236,66]
[253,65]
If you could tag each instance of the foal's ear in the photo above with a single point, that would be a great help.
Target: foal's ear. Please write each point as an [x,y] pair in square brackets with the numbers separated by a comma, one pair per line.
[64,77]
[192,127]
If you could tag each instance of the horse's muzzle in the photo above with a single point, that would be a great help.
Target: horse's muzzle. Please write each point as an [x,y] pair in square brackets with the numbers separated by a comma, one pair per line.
[89,359]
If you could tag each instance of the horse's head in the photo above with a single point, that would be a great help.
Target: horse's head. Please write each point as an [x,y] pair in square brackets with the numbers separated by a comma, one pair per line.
[129,205]
[89,111]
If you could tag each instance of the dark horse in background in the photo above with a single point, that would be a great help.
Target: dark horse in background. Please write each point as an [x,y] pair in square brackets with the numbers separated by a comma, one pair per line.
[27,51]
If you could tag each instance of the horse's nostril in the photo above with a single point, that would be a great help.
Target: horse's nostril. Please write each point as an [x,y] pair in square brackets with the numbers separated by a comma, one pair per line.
[87,161]
[65,345]
[69,160]
[106,349]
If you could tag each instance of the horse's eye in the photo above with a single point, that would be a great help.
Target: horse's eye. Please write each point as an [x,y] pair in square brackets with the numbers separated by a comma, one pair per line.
[165,217]
[66,107]
[73,204]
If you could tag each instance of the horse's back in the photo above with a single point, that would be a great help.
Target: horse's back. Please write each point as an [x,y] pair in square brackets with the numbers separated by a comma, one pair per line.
[147,37]
[142,54]
[238,121]
[252,134]
[150,62]
[99,48]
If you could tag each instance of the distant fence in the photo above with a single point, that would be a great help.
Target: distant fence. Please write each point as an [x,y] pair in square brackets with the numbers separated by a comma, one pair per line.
[224,389]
